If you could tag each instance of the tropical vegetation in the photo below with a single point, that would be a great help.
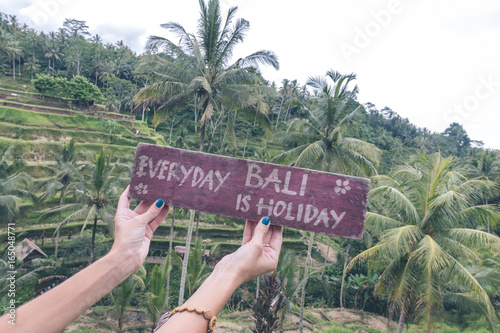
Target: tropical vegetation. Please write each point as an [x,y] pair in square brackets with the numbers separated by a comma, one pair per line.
[74,108]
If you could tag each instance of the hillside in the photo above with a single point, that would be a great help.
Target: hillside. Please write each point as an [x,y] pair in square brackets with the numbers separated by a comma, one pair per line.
[37,133]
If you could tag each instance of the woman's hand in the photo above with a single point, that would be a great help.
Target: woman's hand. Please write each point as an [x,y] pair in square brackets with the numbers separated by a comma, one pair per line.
[258,254]
[134,228]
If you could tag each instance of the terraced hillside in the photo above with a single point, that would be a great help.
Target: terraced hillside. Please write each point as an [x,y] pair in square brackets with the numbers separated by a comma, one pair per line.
[36,135]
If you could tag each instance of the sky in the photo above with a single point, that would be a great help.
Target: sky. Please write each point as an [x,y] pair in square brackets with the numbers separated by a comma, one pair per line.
[434,62]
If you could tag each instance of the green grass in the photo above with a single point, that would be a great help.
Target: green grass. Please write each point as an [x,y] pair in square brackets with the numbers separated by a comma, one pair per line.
[56,134]
[77,121]
[39,151]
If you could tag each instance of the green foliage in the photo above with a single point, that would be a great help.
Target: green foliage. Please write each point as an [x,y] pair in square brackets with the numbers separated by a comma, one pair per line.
[83,91]
[426,217]
[45,84]
[12,185]
[78,88]
[196,70]
[80,246]
[157,296]
[319,141]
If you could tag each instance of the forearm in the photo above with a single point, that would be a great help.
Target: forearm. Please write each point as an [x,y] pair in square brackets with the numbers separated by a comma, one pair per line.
[212,295]
[56,309]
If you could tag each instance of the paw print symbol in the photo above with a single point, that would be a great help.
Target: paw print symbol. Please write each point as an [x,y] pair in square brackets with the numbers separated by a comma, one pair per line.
[342,187]
[141,188]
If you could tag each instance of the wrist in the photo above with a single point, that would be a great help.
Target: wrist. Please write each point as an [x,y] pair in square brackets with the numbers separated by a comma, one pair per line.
[122,262]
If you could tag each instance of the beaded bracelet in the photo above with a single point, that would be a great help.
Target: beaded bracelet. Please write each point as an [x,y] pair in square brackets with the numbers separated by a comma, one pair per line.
[207,314]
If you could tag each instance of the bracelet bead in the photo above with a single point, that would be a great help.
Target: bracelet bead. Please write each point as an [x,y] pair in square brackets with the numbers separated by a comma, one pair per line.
[207,314]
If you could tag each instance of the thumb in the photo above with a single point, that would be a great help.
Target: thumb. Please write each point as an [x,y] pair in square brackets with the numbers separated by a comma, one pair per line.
[261,230]
[153,211]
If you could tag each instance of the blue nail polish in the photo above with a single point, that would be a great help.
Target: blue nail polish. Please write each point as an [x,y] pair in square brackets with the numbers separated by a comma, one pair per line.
[159,203]
[266,220]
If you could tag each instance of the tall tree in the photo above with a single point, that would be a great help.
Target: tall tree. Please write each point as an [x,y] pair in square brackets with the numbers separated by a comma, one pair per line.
[198,67]
[123,293]
[157,292]
[319,143]
[425,216]
[96,191]
[487,166]
[13,184]
[64,173]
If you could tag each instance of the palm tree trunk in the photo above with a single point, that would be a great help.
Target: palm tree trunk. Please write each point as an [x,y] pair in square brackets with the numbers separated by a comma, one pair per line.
[401,323]
[326,256]
[279,112]
[197,222]
[343,274]
[257,286]
[93,238]
[306,273]
[488,218]
[13,66]
[61,202]
[202,136]
[186,257]
[170,251]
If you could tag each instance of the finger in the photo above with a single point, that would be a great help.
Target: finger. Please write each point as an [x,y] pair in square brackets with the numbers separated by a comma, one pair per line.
[160,218]
[276,238]
[248,231]
[142,207]
[152,212]
[261,230]
[124,201]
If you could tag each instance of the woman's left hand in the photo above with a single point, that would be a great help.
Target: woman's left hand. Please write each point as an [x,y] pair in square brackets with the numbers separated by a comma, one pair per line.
[258,254]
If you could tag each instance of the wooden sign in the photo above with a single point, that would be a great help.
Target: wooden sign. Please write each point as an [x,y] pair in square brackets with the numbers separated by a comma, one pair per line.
[296,198]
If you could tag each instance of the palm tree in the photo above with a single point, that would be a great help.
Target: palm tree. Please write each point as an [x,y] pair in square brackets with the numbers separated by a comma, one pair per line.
[319,142]
[284,91]
[123,293]
[54,55]
[425,217]
[65,172]
[25,274]
[199,68]
[486,166]
[32,66]
[16,53]
[12,184]
[157,294]
[95,194]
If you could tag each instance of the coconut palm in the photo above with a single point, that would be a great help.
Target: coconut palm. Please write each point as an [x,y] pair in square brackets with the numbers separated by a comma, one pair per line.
[65,172]
[12,185]
[157,292]
[425,216]
[123,293]
[198,69]
[319,143]
[486,166]
[95,194]
[53,55]
[25,274]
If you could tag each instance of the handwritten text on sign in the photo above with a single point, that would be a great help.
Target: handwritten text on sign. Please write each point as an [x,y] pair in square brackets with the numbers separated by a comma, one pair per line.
[293,197]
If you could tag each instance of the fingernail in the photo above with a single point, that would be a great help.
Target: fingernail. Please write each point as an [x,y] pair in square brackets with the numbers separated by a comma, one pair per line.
[159,203]
[266,220]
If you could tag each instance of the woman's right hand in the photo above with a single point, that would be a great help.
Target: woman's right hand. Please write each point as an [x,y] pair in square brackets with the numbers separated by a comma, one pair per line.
[258,254]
